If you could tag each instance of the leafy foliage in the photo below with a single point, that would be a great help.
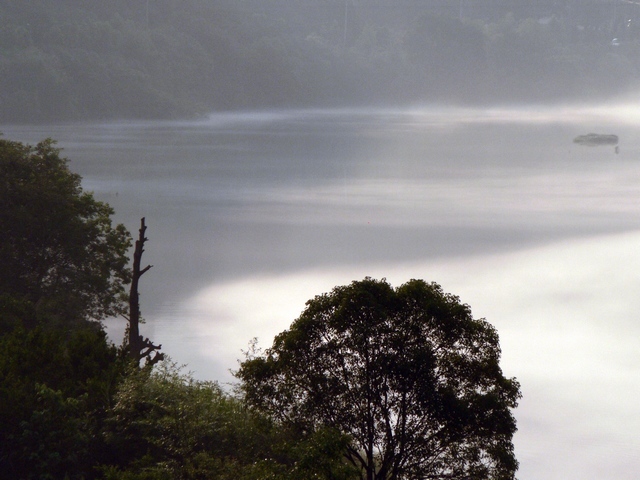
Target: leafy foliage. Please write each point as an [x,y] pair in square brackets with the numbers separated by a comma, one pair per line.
[60,252]
[407,373]
[165,424]
[63,265]
[55,387]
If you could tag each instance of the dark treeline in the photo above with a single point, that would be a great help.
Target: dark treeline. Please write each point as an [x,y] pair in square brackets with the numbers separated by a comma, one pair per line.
[78,59]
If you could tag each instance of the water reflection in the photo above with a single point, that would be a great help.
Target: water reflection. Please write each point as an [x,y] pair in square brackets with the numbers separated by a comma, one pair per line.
[250,214]
[567,318]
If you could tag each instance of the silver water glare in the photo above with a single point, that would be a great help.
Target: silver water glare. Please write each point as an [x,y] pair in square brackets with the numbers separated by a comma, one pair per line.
[250,214]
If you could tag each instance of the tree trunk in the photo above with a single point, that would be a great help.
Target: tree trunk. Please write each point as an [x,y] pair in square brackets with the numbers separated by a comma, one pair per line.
[139,347]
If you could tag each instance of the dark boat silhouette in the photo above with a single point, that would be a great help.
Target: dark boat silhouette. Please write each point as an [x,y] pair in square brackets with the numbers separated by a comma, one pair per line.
[596,139]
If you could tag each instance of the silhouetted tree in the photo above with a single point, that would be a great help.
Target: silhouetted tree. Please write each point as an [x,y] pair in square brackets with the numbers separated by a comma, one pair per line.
[408,374]
[60,254]
[139,347]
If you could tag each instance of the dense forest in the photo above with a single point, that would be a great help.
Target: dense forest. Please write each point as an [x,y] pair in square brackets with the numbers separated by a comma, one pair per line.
[89,59]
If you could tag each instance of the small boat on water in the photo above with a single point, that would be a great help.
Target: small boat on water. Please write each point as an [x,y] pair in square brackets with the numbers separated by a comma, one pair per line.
[596,139]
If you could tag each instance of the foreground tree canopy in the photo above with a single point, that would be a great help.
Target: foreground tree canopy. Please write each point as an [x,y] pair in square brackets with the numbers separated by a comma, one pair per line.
[407,373]
[60,254]
[165,425]
[73,405]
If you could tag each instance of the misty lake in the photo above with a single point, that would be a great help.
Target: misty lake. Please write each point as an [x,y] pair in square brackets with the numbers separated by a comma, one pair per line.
[251,214]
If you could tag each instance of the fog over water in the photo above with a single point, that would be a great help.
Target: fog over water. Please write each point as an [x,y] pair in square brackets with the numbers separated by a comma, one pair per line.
[251,214]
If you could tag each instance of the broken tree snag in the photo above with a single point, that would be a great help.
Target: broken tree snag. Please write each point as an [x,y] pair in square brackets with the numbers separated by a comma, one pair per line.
[140,347]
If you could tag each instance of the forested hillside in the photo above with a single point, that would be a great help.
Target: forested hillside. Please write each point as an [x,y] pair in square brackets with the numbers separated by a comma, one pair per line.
[90,59]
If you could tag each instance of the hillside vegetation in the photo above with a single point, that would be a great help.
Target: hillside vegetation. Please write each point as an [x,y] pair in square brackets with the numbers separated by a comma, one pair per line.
[90,59]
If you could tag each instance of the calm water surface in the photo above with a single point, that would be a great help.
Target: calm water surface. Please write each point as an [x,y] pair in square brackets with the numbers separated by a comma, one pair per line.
[250,214]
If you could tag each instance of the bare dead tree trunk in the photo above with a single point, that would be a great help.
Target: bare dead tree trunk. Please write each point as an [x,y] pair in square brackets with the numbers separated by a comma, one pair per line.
[140,347]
